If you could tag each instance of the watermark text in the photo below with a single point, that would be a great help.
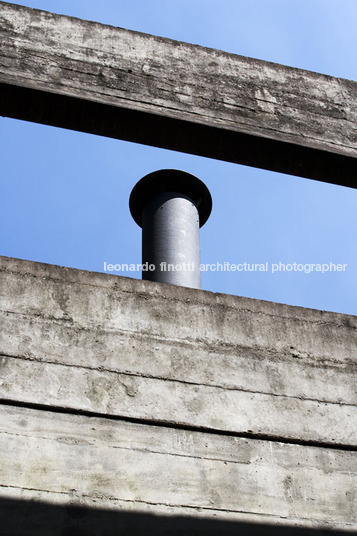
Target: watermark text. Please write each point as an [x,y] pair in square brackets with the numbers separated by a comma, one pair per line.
[273,268]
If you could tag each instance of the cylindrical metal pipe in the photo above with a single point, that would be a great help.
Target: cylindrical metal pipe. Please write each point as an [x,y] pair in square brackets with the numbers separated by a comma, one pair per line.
[171,240]
[171,206]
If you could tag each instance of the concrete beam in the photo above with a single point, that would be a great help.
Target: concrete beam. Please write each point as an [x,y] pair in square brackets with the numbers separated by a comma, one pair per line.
[73,460]
[85,76]
[168,354]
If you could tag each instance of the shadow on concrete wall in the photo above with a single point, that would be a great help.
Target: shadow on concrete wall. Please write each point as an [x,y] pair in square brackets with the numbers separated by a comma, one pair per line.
[30,518]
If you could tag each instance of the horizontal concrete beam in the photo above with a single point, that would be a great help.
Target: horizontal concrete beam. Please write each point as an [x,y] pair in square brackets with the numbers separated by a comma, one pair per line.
[74,460]
[85,76]
[168,354]
[158,400]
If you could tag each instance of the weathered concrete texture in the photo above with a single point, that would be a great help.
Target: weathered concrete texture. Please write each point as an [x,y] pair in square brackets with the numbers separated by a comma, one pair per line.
[169,354]
[96,462]
[82,75]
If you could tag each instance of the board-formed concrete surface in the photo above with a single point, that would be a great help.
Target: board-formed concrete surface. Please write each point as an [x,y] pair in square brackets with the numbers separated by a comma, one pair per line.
[106,462]
[134,396]
[171,354]
[87,76]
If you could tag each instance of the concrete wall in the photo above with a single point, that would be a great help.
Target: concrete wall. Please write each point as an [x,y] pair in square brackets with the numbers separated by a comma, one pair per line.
[123,397]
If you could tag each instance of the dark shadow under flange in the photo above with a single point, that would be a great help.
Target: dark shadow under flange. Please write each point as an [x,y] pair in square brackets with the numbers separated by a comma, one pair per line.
[171,133]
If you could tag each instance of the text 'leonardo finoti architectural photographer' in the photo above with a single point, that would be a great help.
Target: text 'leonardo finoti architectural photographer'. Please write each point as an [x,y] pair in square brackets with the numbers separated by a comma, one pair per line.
[268,267]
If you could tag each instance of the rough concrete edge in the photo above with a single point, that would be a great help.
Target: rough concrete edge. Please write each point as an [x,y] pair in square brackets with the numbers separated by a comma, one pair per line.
[172,292]
[50,14]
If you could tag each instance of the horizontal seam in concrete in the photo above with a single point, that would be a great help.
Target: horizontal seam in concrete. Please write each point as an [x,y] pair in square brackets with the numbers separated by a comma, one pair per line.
[218,345]
[5,486]
[135,501]
[177,426]
[143,450]
[211,345]
[172,380]
[226,461]
[292,520]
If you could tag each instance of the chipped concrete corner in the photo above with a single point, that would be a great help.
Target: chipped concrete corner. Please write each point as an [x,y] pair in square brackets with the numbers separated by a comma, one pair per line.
[155,400]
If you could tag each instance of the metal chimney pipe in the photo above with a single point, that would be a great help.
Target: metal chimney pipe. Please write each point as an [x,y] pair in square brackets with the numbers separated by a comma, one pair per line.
[171,206]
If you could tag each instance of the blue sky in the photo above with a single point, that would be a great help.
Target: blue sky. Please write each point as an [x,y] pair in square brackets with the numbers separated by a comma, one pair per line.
[64,195]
